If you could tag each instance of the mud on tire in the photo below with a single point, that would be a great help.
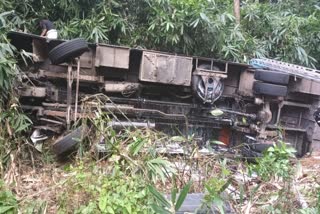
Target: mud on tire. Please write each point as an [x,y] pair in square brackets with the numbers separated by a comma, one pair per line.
[68,50]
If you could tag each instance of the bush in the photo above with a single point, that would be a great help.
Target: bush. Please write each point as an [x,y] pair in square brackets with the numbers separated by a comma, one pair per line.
[90,191]
[8,202]
[275,162]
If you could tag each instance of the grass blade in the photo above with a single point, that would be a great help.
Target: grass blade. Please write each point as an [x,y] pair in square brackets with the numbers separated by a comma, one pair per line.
[182,196]
[159,197]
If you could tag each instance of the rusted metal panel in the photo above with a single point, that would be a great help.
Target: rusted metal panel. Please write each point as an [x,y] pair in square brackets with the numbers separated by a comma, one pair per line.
[39,49]
[306,86]
[221,62]
[246,83]
[165,68]
[231,83]
[83,78]
[229,91]
[62,68]
[33,92]
[86,59]
[112,56]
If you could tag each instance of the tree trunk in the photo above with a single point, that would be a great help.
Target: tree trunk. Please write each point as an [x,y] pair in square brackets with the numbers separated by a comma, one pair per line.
[236,10]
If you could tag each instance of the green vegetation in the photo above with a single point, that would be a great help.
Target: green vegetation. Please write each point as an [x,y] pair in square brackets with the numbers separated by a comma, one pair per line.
[93,192]
[13,123]
[8,202]
[287,30]
[121,182]
[275,162]
[166,206]
[128,181]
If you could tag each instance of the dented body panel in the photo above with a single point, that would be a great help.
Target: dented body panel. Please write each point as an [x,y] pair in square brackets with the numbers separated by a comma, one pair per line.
[164,68]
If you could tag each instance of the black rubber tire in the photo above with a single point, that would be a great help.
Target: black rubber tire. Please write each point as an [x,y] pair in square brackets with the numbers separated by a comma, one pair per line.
[261,147]
[269,89]
[272,77]
[68,50]
[254,148]
[68,142]
[249,154]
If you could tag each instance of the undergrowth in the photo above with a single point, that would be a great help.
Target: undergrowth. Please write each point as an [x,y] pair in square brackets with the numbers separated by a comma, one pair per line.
[8,202]
[13,123]
[133,174]
[93,191]
[275,162]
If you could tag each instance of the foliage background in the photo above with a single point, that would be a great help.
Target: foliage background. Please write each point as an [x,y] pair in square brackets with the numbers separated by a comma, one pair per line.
[284,29]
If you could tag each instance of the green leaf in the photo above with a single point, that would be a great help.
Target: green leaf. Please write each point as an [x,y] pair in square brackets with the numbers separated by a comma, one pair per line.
[291,150]
[6,209]
[158,196]
[204,17]
[194,24]
[136,146]
[217,112]
[217,142]
[102,203]
[128,207]
[182,196]
[152,26]
[271,149]
[110,210]
[167,26]
[225,186]
[159,210]
[174,195]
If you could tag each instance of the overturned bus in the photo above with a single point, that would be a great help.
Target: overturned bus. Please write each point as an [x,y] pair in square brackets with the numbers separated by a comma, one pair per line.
[173,93]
